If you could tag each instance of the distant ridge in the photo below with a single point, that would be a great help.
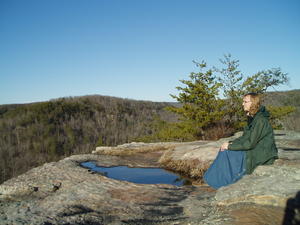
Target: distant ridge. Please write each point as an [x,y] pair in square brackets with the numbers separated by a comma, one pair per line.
[34,133]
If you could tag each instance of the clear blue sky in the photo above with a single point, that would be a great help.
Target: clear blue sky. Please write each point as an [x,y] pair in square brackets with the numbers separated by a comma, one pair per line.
[137,49]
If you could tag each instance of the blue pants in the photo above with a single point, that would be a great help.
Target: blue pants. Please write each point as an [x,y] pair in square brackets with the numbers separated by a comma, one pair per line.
[228,167]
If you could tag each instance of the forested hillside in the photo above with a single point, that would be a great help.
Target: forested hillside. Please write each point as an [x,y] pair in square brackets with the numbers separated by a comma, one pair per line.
[286,98]
[32,134]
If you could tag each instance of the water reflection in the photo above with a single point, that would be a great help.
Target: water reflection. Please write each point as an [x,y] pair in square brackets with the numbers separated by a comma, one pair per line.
[138,175]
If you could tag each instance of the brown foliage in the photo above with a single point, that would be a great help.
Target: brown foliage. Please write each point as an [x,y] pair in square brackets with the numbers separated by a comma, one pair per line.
[32,134]
[193,168]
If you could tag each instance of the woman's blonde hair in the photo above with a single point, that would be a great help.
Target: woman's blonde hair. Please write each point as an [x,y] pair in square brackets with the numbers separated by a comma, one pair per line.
[255,102]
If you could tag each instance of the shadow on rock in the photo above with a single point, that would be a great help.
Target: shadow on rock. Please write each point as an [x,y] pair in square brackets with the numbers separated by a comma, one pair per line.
[292,211]
[291,149]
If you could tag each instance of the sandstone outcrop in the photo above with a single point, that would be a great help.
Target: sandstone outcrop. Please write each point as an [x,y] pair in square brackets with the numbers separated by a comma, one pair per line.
[65,193]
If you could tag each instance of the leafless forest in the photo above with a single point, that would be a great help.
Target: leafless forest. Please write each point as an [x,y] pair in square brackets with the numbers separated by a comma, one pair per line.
[32,134]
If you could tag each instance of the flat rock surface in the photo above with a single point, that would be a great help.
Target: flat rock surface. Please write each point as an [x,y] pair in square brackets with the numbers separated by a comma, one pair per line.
[65,193]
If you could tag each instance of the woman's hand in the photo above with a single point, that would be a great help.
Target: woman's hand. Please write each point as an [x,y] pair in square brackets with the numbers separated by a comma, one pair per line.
[224,146]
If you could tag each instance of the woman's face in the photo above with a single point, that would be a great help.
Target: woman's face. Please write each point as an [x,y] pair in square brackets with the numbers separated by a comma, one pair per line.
[247,103]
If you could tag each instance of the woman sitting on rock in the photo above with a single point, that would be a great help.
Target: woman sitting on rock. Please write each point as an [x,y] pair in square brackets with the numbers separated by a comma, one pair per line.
[241,156]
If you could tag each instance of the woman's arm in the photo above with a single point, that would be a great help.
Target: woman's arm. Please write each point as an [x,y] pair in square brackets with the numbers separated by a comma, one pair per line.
[252,136]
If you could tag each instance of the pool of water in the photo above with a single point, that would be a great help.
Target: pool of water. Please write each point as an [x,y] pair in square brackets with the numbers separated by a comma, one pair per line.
[138,175]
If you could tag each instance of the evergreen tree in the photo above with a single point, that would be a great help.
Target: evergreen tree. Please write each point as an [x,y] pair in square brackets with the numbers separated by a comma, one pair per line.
[201,107]
[234,86]
[230,76]
[202,111]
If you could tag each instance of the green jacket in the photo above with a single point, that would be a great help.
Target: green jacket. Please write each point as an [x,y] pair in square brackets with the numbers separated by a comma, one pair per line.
[257,140]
